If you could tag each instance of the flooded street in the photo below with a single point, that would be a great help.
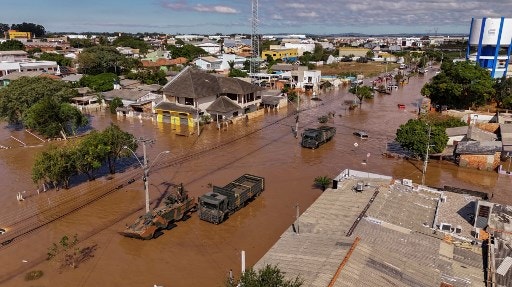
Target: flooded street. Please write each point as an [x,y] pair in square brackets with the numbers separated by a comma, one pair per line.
[197,253]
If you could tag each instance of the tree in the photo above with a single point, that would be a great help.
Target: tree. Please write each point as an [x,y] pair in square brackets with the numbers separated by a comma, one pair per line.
[50,117]
[265,277]
[370,54]
[11,45]
[114,104]
[116,139]
[60,59]
[413,136]
[323,182]
[100,59]
[3,29]
[21,94]
[99,83]
[36,30]
[460,85]
[187,51]
[90,154]
[148,76]
[132,42]
[81,43]
[503,95]
[54,166]
[362,92]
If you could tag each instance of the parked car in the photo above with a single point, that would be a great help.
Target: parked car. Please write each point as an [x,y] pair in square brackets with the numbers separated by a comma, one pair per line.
[361,134]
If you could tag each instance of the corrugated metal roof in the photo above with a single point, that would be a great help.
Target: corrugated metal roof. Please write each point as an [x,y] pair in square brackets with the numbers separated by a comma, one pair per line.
[504,266]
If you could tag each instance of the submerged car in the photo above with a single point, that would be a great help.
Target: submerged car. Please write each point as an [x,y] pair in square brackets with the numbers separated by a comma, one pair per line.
[361,134]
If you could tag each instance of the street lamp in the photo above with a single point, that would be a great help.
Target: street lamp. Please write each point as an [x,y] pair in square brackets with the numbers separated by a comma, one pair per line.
[146,169]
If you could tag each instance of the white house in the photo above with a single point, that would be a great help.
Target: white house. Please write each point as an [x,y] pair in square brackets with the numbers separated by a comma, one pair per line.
[50,67]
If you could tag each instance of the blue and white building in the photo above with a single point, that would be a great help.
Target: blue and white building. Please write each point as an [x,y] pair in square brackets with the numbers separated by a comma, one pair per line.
[490,44]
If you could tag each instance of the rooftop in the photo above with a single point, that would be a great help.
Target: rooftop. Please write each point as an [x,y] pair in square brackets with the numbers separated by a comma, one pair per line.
[382,236]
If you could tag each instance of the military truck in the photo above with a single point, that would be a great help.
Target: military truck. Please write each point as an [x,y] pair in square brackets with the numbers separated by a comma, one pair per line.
[176,206]
[313,138]
[215,206]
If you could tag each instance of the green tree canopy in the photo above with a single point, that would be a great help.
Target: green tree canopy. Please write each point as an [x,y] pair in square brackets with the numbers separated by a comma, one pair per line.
[21,94]
[265,277]
[54,166]
[99,83]
[3,29]
[11,45]
[503,95]
[188,51]
[90,153]
[50,117]
[149,76]
[81,43]
[460,85]
[116,139]
[100,59]
[132,42]
[362,92]
[413,136]
[114,104]
[60,59]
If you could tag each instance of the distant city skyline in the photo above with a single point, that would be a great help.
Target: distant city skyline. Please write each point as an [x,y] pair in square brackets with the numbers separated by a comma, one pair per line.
[319,17]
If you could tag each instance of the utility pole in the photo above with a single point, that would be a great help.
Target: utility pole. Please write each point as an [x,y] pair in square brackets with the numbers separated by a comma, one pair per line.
[297,218]
[297,117]
[146,170]
[145,166]
[425,162]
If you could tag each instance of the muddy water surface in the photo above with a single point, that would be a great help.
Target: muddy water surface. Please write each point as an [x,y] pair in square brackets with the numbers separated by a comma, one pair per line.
[196,253]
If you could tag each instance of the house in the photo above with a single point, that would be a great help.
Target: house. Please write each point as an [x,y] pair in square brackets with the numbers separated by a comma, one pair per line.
[456,134]
[479,155]
[193,91]
[7,79]
[286,55]
[13,56]
[220,64]
[135,101]
[506,139]
[8,67]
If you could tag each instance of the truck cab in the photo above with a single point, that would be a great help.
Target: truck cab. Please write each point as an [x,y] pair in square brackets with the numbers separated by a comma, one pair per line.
[213,207]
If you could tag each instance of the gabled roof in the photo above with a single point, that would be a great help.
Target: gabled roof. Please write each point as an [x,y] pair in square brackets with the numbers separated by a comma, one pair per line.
[72,78]
[457,131]
[193,83]
[16,75]
[477,134]
[125,94]
[223,105]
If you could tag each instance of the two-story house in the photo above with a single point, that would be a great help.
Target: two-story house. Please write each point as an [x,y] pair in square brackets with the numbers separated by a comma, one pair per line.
[191,93]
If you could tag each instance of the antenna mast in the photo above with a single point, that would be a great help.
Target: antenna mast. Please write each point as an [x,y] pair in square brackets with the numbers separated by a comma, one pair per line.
[255,41]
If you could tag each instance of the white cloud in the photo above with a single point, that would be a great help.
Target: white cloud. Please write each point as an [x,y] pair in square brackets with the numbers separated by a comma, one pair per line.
[215,9]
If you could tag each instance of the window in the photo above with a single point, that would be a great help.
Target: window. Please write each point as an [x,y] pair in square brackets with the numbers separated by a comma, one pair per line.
[189,101]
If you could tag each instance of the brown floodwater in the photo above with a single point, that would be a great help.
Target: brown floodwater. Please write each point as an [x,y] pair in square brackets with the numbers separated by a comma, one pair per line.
[196,253]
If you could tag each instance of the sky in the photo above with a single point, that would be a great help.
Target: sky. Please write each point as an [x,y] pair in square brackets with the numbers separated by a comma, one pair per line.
[321,17]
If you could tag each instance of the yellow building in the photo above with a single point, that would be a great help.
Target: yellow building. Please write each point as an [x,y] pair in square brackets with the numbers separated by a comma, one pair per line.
[284,54]
[13,34]
[175,114]
[355,52]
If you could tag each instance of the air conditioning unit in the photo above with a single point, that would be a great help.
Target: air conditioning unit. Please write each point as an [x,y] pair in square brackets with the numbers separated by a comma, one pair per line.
[407,182]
